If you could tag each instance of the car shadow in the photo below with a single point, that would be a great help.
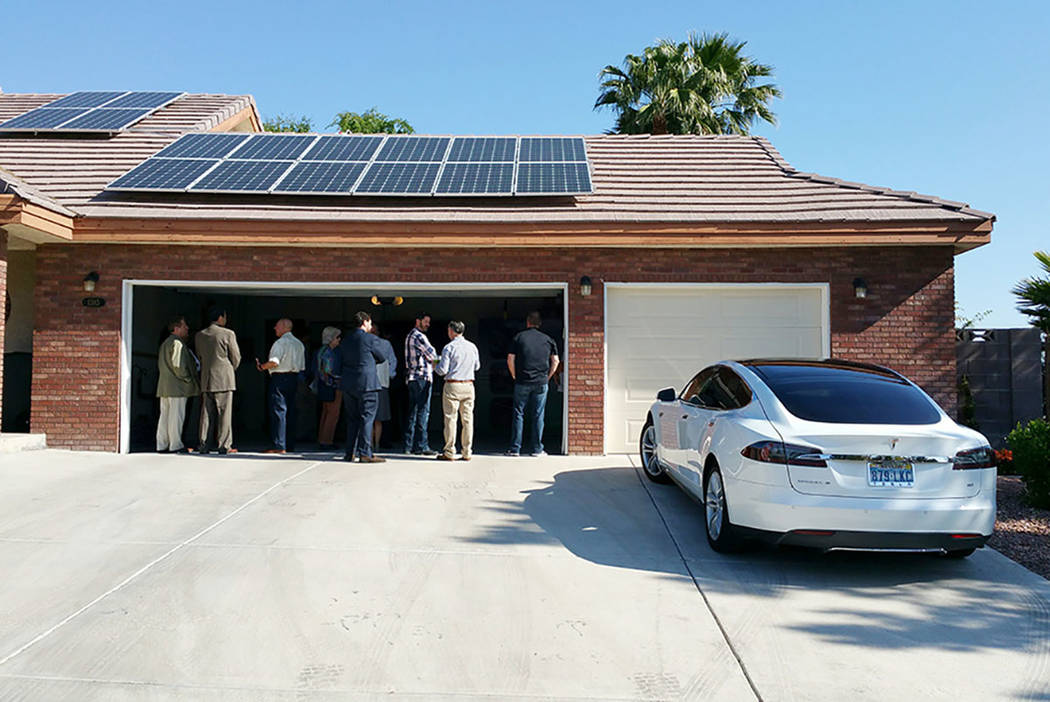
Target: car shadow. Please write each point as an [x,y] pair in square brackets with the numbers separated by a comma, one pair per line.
[614,517]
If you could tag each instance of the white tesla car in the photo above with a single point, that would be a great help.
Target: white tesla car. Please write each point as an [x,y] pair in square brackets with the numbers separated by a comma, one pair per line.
[829,454]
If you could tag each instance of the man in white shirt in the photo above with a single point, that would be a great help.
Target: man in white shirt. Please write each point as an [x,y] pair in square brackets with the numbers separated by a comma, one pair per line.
[287,360]
[459,361]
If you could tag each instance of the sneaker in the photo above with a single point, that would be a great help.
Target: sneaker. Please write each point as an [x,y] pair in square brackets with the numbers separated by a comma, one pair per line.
[466,458]
[275,450]
[223,452]
[186,450]
[511,453]
[538,454]
[425,452]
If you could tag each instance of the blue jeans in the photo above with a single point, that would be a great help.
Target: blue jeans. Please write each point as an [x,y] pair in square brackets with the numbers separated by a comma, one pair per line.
[360,415]
[282,410]
[418,416]
[534,398]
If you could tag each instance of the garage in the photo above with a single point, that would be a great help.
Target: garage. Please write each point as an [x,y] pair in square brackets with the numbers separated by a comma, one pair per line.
[660,335]
[493,314]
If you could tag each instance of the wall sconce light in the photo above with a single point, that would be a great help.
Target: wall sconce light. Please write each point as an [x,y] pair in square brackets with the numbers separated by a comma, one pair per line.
[585,286]
[89,281]
[395,301]
[860,288]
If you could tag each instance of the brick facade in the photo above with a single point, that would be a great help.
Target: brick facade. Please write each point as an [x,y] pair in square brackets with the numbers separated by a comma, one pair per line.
[3,317]
[906,321]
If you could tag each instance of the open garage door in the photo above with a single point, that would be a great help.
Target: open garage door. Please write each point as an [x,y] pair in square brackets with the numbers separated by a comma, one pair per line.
[493,313]
[660,335]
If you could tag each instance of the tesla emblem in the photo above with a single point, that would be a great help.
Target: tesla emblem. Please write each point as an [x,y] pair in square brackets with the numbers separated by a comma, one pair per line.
[893,443]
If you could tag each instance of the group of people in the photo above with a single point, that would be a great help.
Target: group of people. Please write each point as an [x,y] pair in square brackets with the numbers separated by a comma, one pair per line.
[352,374]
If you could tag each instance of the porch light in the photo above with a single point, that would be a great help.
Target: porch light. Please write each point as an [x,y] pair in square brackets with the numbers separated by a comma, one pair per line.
[89,281]
[860,288]
[379,301]
[585,286]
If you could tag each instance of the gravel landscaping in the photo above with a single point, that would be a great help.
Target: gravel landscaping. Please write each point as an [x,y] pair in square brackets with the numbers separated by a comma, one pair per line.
[1022,533]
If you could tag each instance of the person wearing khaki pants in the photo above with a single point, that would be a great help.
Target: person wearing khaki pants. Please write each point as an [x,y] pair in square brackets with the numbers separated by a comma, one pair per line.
[458,363]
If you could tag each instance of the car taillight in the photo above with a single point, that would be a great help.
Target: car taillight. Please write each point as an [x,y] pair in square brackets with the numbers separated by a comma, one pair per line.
[779,452]
[970,459]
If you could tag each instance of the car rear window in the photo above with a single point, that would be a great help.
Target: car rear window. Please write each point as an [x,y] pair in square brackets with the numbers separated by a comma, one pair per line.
[847,396]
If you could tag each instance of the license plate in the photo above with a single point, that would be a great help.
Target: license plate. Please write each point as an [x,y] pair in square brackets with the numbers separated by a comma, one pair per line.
[891,474]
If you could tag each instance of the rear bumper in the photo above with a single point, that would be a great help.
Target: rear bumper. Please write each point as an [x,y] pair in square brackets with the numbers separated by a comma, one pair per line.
[860,521]
[899,541]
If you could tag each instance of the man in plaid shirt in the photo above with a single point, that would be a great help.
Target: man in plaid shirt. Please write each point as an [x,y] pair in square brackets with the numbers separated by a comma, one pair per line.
[419,373]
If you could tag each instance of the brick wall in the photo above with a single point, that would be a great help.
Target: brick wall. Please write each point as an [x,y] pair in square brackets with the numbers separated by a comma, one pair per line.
[905,322]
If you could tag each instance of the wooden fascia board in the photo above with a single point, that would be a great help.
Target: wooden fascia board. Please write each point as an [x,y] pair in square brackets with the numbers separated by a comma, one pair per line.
[248,113]
[15,210]
[575,234]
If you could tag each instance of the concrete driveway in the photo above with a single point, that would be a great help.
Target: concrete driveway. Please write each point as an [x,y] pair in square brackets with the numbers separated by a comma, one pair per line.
[286,578]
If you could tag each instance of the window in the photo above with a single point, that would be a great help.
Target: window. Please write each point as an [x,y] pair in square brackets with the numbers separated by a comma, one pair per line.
[691,393]
[843,395]
[738,391]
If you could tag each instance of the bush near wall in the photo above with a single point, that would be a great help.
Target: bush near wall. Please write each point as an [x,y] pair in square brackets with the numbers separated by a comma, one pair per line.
[1030,445]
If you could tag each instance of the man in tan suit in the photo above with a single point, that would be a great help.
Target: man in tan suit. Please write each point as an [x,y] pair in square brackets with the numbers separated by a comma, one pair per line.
[219,357]
[176,383]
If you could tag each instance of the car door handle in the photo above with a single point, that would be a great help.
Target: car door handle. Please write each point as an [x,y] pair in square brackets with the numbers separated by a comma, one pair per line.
[685,416]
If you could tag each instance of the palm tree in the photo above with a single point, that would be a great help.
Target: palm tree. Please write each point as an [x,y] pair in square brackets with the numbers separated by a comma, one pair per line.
[1034,300]
[700,86]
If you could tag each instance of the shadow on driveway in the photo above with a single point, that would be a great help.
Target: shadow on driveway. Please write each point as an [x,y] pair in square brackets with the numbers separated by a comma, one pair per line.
[886,600]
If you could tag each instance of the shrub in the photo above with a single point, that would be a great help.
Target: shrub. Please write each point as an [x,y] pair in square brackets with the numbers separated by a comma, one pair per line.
[1031,453]
[1004,461]
[967,406]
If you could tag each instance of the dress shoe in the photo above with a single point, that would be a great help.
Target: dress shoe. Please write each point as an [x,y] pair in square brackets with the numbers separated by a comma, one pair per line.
[186,450]
[466,458]
[223,452]
[446,457]
[373,459]
[425,452]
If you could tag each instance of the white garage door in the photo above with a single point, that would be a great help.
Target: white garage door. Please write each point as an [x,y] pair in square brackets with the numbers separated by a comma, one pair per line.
[659,336]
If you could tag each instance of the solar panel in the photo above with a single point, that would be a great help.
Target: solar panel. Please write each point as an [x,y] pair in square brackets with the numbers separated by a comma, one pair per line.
[321,177]
[483,149]
[147,100]
[364,164]
[43,118]
[105,119]
[87,98]
[476,179]
[343,148]
[553,178]
[242,176]
[552,149]
[163,174]
[413,148]
[274,147]
[203,146]
[399,179]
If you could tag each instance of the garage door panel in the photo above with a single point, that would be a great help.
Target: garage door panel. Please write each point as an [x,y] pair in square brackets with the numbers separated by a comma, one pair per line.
[658,337]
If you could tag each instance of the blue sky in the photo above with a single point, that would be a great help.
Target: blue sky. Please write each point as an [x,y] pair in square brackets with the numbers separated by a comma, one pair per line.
[944,98]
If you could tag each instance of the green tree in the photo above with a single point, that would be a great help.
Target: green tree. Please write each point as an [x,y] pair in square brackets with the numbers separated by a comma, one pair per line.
[704,85]
[371,122]
[1033,296]
[288,123]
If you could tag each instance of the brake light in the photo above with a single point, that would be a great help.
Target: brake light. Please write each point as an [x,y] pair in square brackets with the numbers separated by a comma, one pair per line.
[971,459]
[779,452]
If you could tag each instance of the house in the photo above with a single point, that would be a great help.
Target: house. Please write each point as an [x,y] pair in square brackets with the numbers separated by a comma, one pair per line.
[690,249]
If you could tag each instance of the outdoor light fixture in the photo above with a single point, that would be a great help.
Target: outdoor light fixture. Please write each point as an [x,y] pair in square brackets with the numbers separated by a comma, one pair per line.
[395,301]
[860,287]
[585,286]
[89,281]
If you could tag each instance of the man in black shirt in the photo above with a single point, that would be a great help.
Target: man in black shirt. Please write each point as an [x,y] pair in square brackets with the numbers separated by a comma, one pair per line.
[532,361]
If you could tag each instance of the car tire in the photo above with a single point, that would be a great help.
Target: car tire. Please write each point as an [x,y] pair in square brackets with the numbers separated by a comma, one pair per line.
[721,534]
[651,465]
[959,553]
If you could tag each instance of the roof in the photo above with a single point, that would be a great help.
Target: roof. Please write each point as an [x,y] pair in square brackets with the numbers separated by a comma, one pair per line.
[686,181]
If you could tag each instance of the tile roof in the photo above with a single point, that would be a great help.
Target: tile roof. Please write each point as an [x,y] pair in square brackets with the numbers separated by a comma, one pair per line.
[637,179]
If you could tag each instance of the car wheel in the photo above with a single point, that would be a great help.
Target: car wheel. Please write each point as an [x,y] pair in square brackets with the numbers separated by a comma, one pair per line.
[721,534]
[960,553]
[654,470]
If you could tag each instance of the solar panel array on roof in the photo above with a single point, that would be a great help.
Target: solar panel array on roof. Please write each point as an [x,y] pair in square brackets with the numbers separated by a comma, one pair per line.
[354,164]
[90,112]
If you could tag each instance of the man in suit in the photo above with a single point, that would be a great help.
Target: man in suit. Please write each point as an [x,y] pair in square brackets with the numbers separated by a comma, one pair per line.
[360,352]
[219,357]
[176,383]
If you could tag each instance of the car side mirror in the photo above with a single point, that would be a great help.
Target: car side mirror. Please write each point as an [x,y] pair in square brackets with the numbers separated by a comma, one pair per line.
[667,395]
